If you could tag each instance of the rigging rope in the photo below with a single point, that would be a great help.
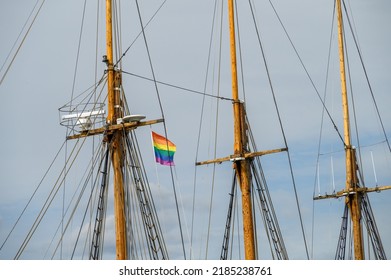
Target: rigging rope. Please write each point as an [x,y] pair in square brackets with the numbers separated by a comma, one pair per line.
[307,73]
[281,126]
[33,195]
[341,247]
[228,223]
[366,211]
[140,33]
[373,231]
[240,50]
[200,125]
[354,108]
[49,200]
[20,34]
[89,176]
[89,238]
[72,92]
[88,98]
[367,80]
[215,133]
[151,225]
[324,94]
[21,43]
[269,215]
[100,212]
[78,49]
[164,124]
[203,93]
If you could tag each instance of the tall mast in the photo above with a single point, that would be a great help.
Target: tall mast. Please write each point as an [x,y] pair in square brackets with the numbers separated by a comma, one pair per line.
[353,199]
[114,134]
[240,141]
[355,194]
[242,155]
[116,141]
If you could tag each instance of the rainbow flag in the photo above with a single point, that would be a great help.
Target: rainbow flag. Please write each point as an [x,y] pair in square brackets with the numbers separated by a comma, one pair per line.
[164,149]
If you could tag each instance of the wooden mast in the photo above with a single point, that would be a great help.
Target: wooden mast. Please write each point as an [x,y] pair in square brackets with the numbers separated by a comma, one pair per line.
[114,131]
[353,192]
[242,156]
[116,139]
[353,199]
[240,141]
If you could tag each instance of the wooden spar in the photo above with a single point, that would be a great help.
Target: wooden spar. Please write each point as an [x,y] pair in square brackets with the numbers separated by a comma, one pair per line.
[346,193]
[116,142]
[107,130]
[353,200]
[241,156]
[242,167]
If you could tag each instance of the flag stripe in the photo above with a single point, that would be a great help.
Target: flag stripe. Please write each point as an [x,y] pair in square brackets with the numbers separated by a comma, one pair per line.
[163,147]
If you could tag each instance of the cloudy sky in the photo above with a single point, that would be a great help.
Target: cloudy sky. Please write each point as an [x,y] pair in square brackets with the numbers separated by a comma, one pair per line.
[52,66]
